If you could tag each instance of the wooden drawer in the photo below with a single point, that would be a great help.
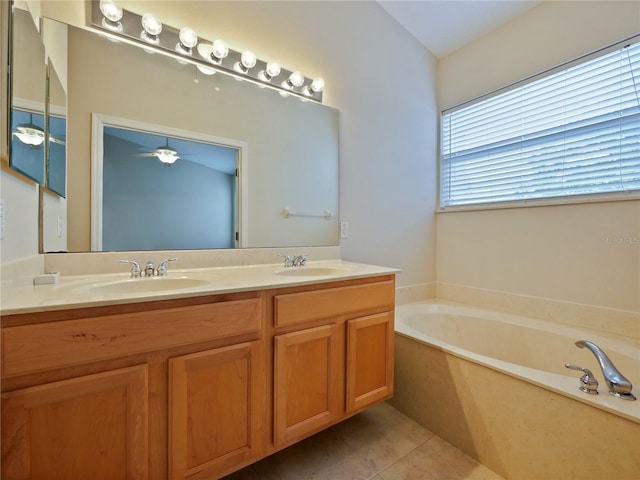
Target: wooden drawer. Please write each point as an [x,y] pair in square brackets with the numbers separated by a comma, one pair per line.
[293,308]
[32,348]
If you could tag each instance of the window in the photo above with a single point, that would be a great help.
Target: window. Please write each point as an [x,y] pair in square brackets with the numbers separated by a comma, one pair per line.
[571,131]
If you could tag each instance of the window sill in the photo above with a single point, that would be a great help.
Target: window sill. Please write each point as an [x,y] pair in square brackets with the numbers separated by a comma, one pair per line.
[547,202]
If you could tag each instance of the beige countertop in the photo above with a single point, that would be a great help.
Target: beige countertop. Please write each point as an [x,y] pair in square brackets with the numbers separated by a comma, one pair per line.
[79,291]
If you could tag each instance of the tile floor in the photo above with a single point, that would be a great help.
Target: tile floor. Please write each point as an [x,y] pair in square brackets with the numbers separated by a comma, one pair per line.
[378,444]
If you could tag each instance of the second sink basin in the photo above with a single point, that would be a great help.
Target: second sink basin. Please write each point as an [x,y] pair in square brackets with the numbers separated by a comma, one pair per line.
[148,285]
[312,271]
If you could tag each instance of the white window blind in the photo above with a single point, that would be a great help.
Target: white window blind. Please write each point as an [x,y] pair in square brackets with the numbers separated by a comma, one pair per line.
[576,131]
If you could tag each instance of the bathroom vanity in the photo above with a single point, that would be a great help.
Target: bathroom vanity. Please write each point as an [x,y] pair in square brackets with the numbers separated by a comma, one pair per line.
[193,385]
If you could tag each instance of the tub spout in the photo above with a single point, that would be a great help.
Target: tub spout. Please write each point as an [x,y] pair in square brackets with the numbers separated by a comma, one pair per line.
[618,385]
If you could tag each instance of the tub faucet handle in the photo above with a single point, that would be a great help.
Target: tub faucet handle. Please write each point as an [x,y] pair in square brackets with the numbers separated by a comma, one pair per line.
[589,384]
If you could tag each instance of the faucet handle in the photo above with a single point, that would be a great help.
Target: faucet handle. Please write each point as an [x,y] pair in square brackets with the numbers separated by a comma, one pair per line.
[162,266]
[287,260]
[136,271]
[589,382]
[300,260]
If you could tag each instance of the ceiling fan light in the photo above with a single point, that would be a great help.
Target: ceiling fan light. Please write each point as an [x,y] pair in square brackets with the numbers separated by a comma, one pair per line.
[167,156]
[30,135]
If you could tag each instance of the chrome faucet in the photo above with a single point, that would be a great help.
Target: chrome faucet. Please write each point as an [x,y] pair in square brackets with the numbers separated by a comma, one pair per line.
[149,270]
[618,385]
[300,260]
[588,383]
[287,260]
[296,261]
[162,267]
[136,271]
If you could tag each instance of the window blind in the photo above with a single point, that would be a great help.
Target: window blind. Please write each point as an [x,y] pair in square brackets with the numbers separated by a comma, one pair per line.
[572,132]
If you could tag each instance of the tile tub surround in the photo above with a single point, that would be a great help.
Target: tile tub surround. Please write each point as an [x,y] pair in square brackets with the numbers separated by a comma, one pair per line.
[601,319]
[517,429]
[377,444]
[611,321]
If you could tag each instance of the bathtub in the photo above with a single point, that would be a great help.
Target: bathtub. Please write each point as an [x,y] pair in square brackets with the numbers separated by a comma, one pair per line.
[495,386]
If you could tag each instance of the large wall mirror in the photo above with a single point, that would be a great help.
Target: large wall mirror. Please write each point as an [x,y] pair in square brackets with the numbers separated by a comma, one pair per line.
[27,114]
[286,153]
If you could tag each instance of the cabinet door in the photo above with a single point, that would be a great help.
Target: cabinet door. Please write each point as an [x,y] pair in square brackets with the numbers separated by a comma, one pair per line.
[369,360]
[215,410]
[87,427]
[306,381]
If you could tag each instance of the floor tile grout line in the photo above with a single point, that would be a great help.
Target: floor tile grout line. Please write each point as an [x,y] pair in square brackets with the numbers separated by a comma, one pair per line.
[430,437]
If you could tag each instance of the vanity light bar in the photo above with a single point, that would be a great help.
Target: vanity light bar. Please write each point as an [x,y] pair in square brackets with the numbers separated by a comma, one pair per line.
[186,46]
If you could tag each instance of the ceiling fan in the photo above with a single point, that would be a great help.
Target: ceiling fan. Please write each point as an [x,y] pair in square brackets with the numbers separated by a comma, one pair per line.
[164,153]
[32,135]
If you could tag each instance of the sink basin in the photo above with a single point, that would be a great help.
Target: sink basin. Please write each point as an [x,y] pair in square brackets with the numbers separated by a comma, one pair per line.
[148,285]
[312,271]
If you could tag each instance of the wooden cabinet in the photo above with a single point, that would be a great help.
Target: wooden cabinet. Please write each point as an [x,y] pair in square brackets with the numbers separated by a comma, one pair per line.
[94,426]
[333,355]
[369,360]
[158,390]
[215,410]
[306,392]
[191,388]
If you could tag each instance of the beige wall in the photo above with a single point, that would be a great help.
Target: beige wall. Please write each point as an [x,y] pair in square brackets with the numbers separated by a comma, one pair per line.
[588,253]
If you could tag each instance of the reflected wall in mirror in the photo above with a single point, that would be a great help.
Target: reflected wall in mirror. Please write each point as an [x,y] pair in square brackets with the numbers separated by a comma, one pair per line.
[56,164]
[163,192]
[292,146]
[26,147]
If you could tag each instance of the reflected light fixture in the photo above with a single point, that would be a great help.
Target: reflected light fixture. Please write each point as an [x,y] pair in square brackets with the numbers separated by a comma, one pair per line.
[248,60]
[188,40]
[166,155]
[151,29]
[112,15]
[206,70]
[30,134]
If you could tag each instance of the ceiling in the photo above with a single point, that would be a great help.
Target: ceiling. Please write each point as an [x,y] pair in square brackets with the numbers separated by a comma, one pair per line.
[444,26]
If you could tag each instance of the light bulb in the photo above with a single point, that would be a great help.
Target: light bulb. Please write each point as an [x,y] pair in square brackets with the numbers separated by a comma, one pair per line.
[152,28]
[317,85]
[296,79]
[271,70]
[247,60]
[188,40]
[110,10]
[219,50]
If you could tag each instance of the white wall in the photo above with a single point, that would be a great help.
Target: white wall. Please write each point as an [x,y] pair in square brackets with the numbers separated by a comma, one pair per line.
[588,253]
